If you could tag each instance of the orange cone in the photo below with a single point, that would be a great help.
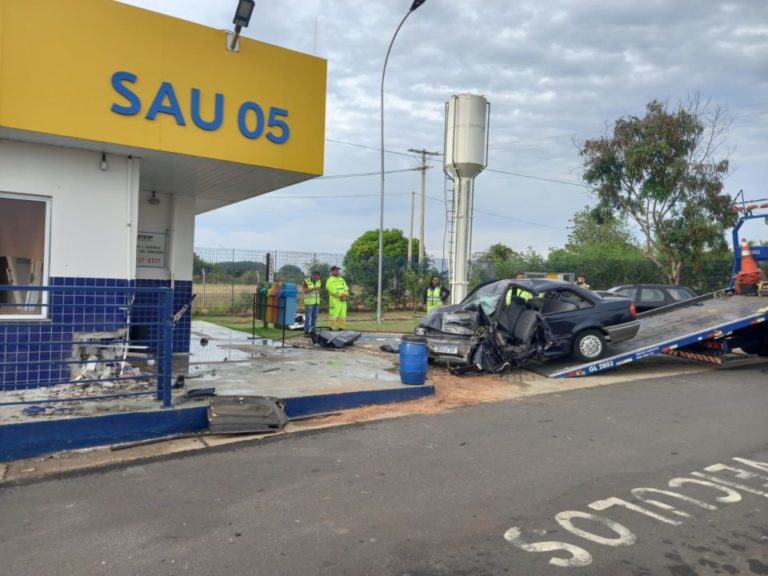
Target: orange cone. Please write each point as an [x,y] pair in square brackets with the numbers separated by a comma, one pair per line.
[748,264]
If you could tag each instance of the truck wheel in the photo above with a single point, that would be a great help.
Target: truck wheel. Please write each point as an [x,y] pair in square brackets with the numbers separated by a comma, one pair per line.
[589,345]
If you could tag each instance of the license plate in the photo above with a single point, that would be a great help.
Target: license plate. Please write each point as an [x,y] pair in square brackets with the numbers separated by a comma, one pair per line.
[446,349]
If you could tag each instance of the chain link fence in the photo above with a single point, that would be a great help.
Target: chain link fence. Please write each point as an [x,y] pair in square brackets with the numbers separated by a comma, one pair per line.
[226,279]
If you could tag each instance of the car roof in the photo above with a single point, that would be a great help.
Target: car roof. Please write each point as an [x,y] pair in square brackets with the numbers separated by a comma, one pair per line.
[534,284]
[650,286]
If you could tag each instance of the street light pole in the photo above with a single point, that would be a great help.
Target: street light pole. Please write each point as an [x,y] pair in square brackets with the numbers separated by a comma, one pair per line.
[414,6]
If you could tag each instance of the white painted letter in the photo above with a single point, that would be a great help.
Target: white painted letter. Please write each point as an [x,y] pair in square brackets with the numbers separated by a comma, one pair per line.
[731,484]
[579,556]
[601,505]
[732,495]
[754,463]
[640,492]
[625,536]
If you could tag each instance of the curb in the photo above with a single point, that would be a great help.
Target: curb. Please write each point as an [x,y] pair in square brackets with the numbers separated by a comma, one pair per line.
[30,439]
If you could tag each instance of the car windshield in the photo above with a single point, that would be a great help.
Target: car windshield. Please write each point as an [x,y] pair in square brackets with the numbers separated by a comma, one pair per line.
[486,296]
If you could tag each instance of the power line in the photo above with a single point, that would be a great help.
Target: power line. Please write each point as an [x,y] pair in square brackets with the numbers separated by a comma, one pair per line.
[536,177]
[418,156]
[359,174]
[370,148]
[324,196]
[506,217]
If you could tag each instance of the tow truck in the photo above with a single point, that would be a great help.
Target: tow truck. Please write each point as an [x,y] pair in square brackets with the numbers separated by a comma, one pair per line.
[705,328]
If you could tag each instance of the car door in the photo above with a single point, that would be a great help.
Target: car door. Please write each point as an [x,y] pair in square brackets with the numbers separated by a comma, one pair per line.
[628,291]
[565,311]
[679,293]
[650,297]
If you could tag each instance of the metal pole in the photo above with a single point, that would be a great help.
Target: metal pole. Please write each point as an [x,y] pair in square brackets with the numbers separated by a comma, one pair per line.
[410,232]
[459,281]
[232,285]
[413,7]
[421,221]
[167,347]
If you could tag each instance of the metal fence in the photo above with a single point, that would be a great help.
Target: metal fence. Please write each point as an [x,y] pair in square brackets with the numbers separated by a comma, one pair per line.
[225,280]
[73,343]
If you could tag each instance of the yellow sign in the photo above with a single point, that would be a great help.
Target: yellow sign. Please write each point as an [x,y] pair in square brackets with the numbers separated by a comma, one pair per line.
[104,71]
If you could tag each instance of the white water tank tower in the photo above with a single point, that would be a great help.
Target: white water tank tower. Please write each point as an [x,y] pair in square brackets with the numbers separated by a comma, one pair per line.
[466,155]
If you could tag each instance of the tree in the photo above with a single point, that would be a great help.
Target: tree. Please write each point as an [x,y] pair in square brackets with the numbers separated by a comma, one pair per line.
[362,258]
[500,261]
[661,172]
[600,245]
[290,273]
[198,265]
[596,229]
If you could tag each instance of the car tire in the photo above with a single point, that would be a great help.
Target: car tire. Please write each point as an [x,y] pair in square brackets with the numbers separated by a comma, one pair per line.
[589,345]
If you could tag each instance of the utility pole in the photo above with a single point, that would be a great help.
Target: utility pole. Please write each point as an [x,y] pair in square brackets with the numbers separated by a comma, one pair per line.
[410,233]
[423,169]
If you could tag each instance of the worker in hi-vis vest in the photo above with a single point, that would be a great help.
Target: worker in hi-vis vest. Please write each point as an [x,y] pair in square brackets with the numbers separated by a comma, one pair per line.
[434,294]
[337,299]
[519,292]
[311,288]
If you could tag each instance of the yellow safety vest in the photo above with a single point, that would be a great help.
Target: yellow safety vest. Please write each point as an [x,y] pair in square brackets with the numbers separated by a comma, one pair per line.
[433,298]
[312,298]
[519,292]
[336,287]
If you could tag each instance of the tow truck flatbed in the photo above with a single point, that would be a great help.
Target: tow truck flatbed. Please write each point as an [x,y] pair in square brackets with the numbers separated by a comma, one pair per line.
[706,318]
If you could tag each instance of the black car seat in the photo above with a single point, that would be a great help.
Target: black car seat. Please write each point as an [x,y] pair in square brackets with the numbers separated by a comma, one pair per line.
[511,313]
[526,326]
[522,336]
[552,305]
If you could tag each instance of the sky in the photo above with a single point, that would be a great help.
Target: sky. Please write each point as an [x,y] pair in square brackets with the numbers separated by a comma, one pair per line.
[556,73]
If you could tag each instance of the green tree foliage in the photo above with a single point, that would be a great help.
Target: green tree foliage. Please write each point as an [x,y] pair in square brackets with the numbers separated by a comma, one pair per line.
[290,273]
[362,259]
[501,261]
[198,265]
[601,246]
[323,268]
[661,172]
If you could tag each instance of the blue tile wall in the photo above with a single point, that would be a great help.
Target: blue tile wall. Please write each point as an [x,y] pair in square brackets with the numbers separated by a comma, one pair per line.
[32,352]
[145,317]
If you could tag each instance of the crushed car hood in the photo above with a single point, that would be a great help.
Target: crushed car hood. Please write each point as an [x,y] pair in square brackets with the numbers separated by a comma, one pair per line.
[452,319]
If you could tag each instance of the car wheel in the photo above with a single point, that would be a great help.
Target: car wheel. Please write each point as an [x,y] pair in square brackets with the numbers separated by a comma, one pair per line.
[589,345]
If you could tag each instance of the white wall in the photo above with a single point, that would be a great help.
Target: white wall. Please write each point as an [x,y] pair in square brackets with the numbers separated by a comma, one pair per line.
[93,211]
[173,215]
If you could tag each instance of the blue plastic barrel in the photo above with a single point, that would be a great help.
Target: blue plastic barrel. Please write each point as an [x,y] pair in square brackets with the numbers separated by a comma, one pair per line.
[287,311]
[413,359]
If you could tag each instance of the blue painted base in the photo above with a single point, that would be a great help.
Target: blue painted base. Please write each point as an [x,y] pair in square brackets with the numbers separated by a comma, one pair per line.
[29,439]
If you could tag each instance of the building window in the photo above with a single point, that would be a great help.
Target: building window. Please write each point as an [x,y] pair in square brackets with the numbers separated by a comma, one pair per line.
[24,239]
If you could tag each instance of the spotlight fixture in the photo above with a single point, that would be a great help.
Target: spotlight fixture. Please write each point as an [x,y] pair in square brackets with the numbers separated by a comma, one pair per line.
[154,199]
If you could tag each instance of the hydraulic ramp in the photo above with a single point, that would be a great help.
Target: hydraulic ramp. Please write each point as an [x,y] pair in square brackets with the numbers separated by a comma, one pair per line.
[664,330]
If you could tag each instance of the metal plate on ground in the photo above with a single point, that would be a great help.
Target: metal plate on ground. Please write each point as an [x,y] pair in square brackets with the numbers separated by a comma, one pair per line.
[245,415]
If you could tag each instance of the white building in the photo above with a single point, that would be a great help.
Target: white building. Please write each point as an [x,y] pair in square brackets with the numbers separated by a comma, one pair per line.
[117,127]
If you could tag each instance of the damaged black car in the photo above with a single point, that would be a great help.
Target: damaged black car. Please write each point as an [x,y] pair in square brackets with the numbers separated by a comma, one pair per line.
[505,323]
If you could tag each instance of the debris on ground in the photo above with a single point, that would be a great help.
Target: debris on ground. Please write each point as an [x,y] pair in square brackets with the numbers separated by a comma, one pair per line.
[245,415]
[331,339]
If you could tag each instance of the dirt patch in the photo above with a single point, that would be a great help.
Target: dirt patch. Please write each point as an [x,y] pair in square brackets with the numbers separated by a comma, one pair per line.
[450,392]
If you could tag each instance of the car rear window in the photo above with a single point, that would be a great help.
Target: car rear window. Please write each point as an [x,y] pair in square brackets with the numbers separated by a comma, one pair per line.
[679,294]
[628,292]
[651,295]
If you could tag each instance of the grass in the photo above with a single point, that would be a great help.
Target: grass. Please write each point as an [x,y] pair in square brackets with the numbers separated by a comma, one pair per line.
[399,323]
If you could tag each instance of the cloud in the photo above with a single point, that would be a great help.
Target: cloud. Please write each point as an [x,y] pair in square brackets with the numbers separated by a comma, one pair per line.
[555,73]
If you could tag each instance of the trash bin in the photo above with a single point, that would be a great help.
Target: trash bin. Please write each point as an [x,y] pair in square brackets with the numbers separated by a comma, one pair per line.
[289,293]
[413,359]
[273,302]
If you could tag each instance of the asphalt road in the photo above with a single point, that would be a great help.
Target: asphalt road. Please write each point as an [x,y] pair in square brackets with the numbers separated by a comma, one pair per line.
[552,484]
